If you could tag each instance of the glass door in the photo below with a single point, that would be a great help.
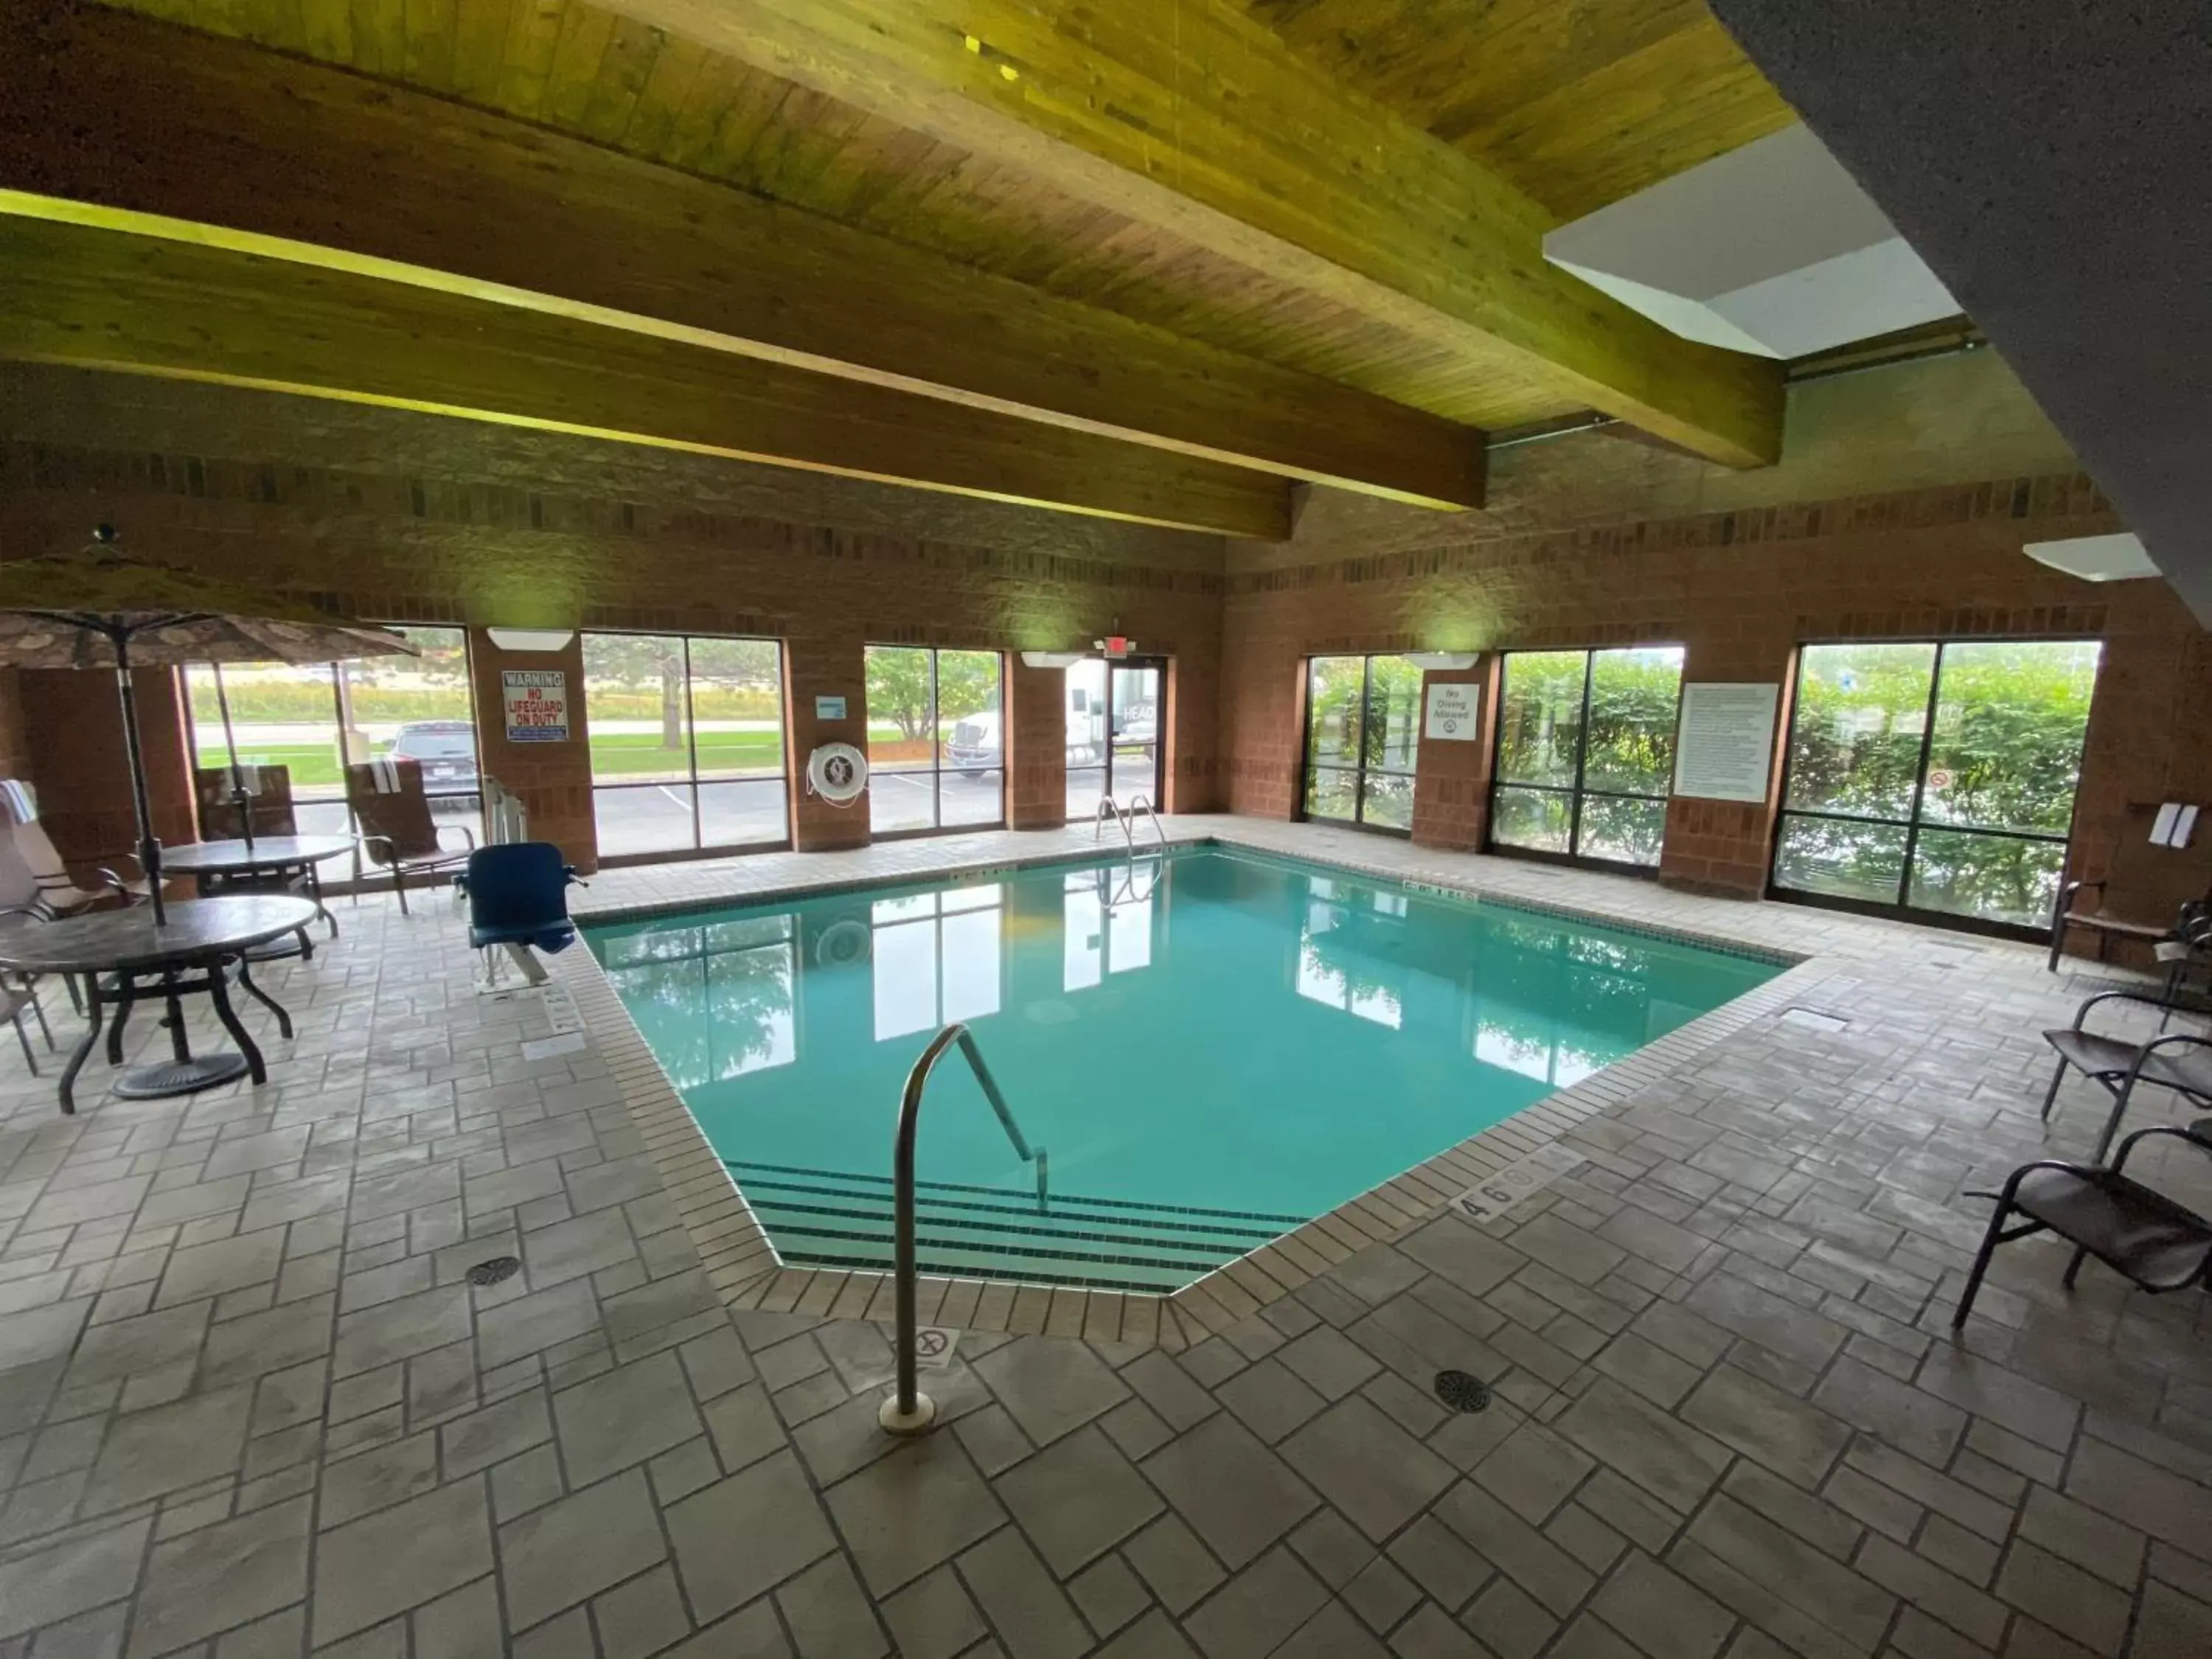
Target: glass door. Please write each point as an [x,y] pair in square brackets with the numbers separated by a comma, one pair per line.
[1133,711]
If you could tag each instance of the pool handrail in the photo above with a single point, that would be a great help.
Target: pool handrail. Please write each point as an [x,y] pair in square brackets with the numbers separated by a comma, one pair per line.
[909,1411]
[1108,808]
[1125,816]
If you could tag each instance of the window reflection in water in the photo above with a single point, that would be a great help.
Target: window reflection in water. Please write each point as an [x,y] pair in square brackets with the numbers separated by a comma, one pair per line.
[937,958]
[715,1001]
[1106,921]
[1545,1001]
[1346,951]
[1566,1003]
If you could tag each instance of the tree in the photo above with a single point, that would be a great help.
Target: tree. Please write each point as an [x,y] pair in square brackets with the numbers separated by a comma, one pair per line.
[639,658]
[898,688]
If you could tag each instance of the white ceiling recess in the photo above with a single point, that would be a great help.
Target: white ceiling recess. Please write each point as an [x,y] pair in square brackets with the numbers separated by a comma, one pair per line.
[1772,248]
[2095,558]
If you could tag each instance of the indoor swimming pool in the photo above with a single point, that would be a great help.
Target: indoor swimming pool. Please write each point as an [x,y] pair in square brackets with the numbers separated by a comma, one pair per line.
[1207,1046]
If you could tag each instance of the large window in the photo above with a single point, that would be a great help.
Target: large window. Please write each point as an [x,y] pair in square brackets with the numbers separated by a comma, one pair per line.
[1936,777]
[311,718]
[687,742]
[1586,752]
[936,744]
[1363,731]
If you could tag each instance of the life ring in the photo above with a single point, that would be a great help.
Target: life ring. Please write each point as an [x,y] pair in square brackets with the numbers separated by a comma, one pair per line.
[838,773]
[843,944]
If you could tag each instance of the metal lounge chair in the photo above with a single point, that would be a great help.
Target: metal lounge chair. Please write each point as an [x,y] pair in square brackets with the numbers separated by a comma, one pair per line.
[2141,895]
[17,1000]
[231,797]
[2146,1238]
[57,892]
[518,894]
[397,829]
[2180,1062]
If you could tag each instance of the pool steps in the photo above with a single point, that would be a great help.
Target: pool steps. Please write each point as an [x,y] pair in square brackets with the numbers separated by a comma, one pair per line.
[835,1218]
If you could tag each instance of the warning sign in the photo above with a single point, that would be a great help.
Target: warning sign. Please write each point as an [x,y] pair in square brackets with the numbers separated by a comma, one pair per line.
[537,704]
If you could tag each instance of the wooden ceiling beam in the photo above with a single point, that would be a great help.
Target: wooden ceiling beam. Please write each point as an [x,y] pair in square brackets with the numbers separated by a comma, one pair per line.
[1191,116]
[171,133]
[109,298]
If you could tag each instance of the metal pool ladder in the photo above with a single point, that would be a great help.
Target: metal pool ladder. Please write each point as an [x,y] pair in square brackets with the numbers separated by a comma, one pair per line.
[1125,816]
[909,1411]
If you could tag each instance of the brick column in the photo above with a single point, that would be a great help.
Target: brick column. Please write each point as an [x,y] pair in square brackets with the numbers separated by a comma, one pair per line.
[820,663]
[82,770]
[1451,779]
[1725,846]
[1035,728]
[553,779]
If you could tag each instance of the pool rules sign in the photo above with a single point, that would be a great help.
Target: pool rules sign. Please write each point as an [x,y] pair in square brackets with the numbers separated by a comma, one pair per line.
[537,704]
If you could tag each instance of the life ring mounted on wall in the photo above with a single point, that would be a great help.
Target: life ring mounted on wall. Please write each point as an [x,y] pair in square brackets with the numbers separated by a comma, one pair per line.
[838,773]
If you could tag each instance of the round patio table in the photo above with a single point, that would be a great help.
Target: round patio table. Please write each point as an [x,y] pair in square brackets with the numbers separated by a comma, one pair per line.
[282,856]
[123,958]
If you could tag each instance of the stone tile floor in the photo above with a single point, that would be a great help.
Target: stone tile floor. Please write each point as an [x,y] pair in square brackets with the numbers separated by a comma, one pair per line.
[250,1405]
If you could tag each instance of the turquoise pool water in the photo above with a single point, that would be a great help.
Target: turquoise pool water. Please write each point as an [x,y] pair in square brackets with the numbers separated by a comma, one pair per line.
[1211,1048]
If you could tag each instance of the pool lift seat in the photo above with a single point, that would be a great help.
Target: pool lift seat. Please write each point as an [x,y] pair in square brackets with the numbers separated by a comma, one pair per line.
[518,898]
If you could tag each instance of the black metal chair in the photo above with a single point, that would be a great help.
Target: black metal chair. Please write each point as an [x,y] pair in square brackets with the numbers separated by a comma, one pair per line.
[2181,1062]
[2146,1238]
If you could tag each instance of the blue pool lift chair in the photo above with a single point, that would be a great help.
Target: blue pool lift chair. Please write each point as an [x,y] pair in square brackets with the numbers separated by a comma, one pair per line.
[518,897]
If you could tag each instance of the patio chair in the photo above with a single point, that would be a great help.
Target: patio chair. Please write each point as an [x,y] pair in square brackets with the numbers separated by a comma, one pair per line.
[517,901]
[2141,896]
[15,1001]
[397,829]
[267,805]
[2181,1062]
[2186,959]
[57,892]
[2146,1238]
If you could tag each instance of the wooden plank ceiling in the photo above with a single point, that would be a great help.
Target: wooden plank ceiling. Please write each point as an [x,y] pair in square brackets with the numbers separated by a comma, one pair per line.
[1558,105]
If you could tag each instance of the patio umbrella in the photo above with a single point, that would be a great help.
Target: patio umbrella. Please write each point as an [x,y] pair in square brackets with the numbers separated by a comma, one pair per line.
[99,608]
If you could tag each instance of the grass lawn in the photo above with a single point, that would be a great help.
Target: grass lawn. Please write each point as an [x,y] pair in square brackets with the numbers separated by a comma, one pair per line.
[316,764]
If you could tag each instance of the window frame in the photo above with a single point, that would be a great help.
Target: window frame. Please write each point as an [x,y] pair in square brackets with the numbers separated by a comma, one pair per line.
[937,768]
[335,678]
[1579,791]
[1901,911]
[699,848]
[1307,767]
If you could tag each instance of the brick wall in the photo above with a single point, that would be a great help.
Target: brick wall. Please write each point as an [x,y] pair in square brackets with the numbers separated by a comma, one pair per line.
[75,754]
[1740,592]
[554,779]
[395,516]
[1585,543]
[1451,778]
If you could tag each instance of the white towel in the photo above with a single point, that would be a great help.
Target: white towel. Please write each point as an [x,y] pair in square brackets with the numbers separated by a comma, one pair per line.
[20,804]
[385,775]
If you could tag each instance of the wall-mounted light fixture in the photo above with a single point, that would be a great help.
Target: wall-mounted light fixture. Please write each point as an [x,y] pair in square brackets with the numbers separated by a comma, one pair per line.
[1051,659]
[1435,662]
[531,639]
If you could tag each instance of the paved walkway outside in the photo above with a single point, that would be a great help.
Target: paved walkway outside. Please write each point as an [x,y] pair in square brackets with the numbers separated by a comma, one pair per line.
[250,1405]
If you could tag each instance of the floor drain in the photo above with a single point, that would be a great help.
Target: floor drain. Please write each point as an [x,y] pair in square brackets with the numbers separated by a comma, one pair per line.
[1460,1392]
[506,1267]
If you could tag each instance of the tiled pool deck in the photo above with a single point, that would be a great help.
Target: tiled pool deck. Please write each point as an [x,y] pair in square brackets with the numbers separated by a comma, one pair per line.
[249,1404]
